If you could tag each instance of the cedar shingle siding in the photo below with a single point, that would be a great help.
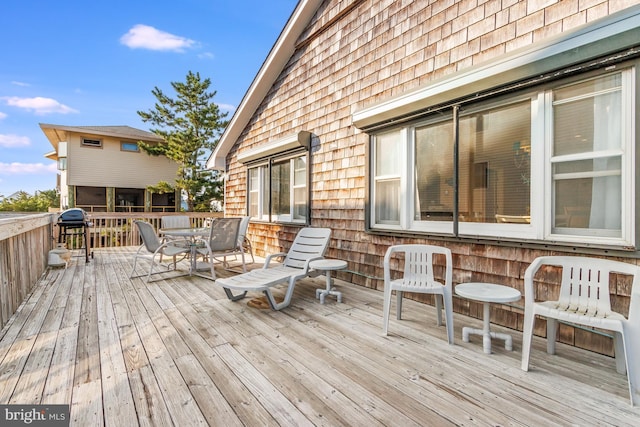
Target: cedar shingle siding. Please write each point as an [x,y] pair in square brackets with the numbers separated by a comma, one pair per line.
[356,53]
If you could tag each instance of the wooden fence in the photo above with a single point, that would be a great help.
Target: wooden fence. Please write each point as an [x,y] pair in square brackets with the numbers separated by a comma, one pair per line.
[109,229]
[25,242]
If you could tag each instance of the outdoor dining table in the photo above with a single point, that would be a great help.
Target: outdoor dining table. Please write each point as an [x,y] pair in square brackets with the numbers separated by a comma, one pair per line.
[191,236]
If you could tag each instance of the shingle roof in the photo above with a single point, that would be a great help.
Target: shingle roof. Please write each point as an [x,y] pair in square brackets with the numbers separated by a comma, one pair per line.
[119,131]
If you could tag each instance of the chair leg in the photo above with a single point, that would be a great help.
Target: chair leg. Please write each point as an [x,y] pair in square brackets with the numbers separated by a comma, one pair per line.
[287,297]
[448,312]
[399,305]
[153,259]
[233,297]
[133,270]
[619,353]
[439,299]
[527,335]
[631,349]
[552,331]
[244,266]
[213,275]
[386,307]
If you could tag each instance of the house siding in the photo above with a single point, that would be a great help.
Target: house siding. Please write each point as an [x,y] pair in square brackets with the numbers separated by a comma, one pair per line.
[375,51]
[108,166]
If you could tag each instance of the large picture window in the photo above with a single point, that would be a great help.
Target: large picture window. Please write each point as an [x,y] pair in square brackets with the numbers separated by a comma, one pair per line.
[278,190]
[553,163]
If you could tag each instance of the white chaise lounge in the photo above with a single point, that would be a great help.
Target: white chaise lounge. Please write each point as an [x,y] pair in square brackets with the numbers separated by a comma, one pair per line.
[310,244]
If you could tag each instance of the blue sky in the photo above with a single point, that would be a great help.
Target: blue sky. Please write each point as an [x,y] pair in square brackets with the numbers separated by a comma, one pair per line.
[80,63]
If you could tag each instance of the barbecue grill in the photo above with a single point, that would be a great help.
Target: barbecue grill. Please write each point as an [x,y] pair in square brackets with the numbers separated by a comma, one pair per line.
[74,222]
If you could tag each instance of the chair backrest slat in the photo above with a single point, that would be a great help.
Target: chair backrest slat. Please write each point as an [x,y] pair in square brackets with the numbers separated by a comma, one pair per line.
[309,243]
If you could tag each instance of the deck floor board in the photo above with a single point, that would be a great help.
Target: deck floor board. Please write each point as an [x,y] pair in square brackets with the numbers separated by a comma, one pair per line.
[176,351]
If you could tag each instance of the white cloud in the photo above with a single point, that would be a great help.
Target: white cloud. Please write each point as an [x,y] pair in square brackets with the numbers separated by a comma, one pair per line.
[2,115]
[39,105]
[20,83]
[146,37]
[11,141]
[27,168]
[206,55]
[226,107]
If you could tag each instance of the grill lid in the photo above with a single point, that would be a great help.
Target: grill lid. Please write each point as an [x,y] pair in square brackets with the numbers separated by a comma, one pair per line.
[73,216]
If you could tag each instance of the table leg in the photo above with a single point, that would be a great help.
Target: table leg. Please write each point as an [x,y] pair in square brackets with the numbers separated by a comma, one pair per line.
[322,293]
[486,332]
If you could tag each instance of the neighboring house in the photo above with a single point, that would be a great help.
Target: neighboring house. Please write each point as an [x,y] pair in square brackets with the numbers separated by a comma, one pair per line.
[11,196]
[503,130]
[102,168]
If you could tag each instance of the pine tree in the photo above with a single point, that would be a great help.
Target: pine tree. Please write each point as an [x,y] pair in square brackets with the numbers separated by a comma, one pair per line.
[191,125]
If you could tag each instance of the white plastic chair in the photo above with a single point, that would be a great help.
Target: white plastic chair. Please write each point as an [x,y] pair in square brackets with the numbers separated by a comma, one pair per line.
[584,300]
[418,277]
[154,246]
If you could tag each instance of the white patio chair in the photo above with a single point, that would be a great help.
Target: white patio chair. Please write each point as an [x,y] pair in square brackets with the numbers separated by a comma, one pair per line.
[584,300]
[419,277]
[221,242]
[310,244]
[152,245]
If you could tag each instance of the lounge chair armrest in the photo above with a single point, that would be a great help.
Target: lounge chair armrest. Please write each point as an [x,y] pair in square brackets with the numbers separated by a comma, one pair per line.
[269,257]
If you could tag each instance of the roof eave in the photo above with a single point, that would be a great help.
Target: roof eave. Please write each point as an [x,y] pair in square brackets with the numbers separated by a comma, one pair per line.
[278,57]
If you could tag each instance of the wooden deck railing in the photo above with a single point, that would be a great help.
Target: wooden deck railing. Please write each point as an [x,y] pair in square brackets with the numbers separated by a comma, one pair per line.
[110,229]
[25,242]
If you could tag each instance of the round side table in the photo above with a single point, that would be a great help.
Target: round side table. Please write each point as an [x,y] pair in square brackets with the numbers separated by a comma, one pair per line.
[328,265]
[487,293]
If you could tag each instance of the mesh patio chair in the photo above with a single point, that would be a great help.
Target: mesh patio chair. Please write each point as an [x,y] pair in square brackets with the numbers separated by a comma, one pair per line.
[221,243]
[152,245]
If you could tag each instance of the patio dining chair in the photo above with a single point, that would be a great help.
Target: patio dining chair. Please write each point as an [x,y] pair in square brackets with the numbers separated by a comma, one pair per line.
[221,243]
[176,221]
[584,300]
[419,277]
[152,245]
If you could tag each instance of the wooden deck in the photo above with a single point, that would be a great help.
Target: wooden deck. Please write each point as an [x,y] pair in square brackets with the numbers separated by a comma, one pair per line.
[123,352]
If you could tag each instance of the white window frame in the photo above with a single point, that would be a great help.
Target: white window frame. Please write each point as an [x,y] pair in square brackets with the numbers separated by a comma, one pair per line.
[402,135]
[541,205]
[267,216]
[627,153]
[94,143]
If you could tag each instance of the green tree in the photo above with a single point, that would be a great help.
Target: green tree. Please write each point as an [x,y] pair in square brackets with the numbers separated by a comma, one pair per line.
[191,125]
[23,202]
